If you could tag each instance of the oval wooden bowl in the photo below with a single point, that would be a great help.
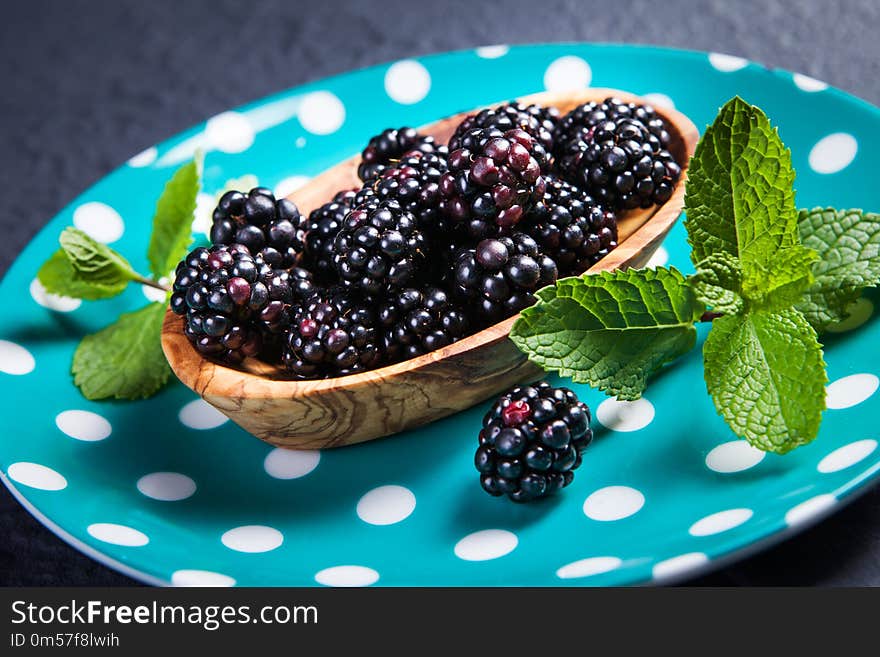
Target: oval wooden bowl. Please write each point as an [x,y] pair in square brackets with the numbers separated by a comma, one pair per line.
[360,407]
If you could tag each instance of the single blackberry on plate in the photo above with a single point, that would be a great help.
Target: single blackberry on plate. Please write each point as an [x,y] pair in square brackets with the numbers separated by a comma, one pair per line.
[571,228]
[498,277]
[379,249]
[332,334]
[324,225]
[493,180]
[415,322]
[220,291]
[388,146]
[539,122]
[266,225]
[532,441]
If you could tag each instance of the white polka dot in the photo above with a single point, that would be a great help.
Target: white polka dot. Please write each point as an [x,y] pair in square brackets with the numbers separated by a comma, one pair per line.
[850,390]
[613,503]
[660,258]
[203,217]
[859,312]
[291,463]
[492,52]
[83,425]
[660,100]
[321,113]
[808,510]
[36,476]
[252,538]
[833,153]
[15,359]
[734,456]
[679,565]
[166,486]
[386,505]
[625,415]
[199,414]
[407,82]
[587,567]
[486,544]
[153,293]
[229,132]
[118,534]
[347,576]
[290,185]
[99,221]
[200,578]
[300,142]
[727,63]
[52,301]
[145,158]
[846,456]
[568,73]
[720,522]
[806,83]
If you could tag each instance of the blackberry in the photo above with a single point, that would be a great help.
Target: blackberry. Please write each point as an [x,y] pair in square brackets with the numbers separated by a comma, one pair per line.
[266,225]
[539,122]
[571,228]
[494,178]
[618,153]
[388,146]
[220,291]
[498,278]
[330,335]
[532,441]
[285,288]
[379,249]
[324,225]
[415,322]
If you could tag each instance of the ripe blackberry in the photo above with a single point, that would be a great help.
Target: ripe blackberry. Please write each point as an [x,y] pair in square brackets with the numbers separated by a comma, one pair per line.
[415,322]
[539,122]
[324,225]
[494,178]
[220,291]
[498,278]
[617,152]
[388,146]
[571,228]
[285,288]
[379,249]
[266,225]
[532,441]
[330,335]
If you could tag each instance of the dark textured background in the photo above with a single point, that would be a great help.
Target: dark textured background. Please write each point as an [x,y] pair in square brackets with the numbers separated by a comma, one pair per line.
[86,84]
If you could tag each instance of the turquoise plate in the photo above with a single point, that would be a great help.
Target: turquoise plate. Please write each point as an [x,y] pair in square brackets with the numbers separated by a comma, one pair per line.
[167,491]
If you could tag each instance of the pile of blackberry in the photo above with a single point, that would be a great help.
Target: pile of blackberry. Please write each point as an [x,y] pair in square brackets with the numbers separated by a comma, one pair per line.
[436,242]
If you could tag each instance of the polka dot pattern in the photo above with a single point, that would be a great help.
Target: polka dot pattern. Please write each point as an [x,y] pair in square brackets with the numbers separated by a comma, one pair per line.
[808,84]
[229,132]
[588,567]
[52,301]
[99,221]
[289,185]
[833,153]
[200,578]
[36,476]
[347,576]
[850,390]
[847,456]
[291,463]
[321,113]
[145,158]
[720,522]
[407,82]
[676,566]
[492,52]
[734,456]
[568,73]
[252,538]
[625,415]
[114,534]
[659,100]
[166,486]
[486,544]
[15,359]
[83,425]
[200,415]
[613,503]
[386,505]
[809,510]
[727,63]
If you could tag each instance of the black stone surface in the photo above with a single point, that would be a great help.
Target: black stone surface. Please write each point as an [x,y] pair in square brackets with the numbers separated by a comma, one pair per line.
[88,83]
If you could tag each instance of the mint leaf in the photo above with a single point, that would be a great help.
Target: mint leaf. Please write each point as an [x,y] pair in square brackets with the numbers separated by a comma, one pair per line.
[767,378]
[782,284]
[612,329]
[124,360]
[739,197]
[58,277]
[95,264]
[848,244]
[718,283]
[172,223]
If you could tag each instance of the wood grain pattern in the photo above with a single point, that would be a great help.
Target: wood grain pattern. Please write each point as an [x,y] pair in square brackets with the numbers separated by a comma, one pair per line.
[353,409]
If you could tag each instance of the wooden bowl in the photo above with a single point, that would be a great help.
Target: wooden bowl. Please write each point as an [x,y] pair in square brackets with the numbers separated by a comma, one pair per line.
[360,407]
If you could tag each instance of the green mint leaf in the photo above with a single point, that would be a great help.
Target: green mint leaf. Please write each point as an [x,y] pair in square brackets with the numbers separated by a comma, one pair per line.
[739,197]
[766,375]
[124,360]
[782,284]
[95,264]
[172,223]
[718,283]
[611,330]
[59,277]
[848,244]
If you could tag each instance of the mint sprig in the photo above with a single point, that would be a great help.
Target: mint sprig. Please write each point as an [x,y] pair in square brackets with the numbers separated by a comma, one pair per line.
[768,275]
[125,360]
